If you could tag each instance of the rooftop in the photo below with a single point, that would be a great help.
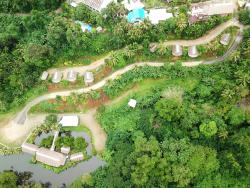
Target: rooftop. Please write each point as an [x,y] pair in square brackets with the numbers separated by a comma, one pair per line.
[69,121]
[136,15]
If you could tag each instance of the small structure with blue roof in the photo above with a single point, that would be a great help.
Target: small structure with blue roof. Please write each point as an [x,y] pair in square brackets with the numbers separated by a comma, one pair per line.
[136,15]
[85,27]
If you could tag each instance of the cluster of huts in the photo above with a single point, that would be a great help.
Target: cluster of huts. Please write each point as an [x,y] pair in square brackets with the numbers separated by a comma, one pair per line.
[51,157]
[177,50]
[71,76]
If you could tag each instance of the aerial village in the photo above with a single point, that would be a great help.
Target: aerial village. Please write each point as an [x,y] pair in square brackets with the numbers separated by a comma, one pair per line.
[64,125]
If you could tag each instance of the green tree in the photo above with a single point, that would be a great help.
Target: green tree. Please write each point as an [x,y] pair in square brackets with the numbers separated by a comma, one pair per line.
[209,129]
[8,180]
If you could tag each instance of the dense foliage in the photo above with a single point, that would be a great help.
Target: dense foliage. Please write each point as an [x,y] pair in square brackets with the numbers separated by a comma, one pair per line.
[196,138]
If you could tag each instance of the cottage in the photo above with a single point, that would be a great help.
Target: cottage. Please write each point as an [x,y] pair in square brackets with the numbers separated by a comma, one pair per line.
[57,76]
[96,5]
[85,27]
[29,148]
[88,78]
[77,157]
[45,75]
[65,150]
[69,121]
[193,52]
[50,158]
[177,50]
[225,39]
[157,15]
[132,103]
[152,48]
[71,76]
[247,6]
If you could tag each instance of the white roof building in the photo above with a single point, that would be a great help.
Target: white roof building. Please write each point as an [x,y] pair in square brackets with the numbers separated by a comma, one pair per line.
[45,75]
[247,6]
[177,50]
[57,76]
[97,5]
[77,157]
[71,76]
[88,78]
[133,4]
[65,150]
[69,121]
[193,52]
[214,7]
[132,103]
[29,148]
[50,158]
[156,15]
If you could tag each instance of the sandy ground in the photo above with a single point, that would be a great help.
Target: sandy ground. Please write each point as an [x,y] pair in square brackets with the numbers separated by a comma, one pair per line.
[13,135]
[99,135]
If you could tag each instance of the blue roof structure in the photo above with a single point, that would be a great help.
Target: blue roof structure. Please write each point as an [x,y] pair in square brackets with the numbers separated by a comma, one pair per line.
[136,15]
[84,26]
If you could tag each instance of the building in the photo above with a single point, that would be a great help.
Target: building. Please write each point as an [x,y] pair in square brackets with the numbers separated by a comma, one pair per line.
[153,47]
[202,10]
[132,103]
[157,15]
[136,15]
[77,157]
[247,6]
[57,76]
[45,75]
[72,76]
[88,78]
[29,148]
[65,150]
[177,50]
[96,5]
[225,39]
[132,4]
[85,27]
[69,121]
[50,158]
[193,52]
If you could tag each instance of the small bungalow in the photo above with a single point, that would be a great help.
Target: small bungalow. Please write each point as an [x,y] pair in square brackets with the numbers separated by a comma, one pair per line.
[29,148]
[225,39]
[153,48]
[57,76]
[136,15]
[69,121]
[85,27]
[193,52]
[132,103]
[45,75]
[71,76]
[50,158]
[177,50]
[65,150]
[157,15]
[77,157]
[88,78]
[247,6]
[96,5]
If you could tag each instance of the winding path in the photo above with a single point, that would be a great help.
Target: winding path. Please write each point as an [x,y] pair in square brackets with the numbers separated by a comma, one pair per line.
[212,34]
[21,117]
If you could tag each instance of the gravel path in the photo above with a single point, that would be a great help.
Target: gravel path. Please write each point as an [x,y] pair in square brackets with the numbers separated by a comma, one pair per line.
[208,37]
